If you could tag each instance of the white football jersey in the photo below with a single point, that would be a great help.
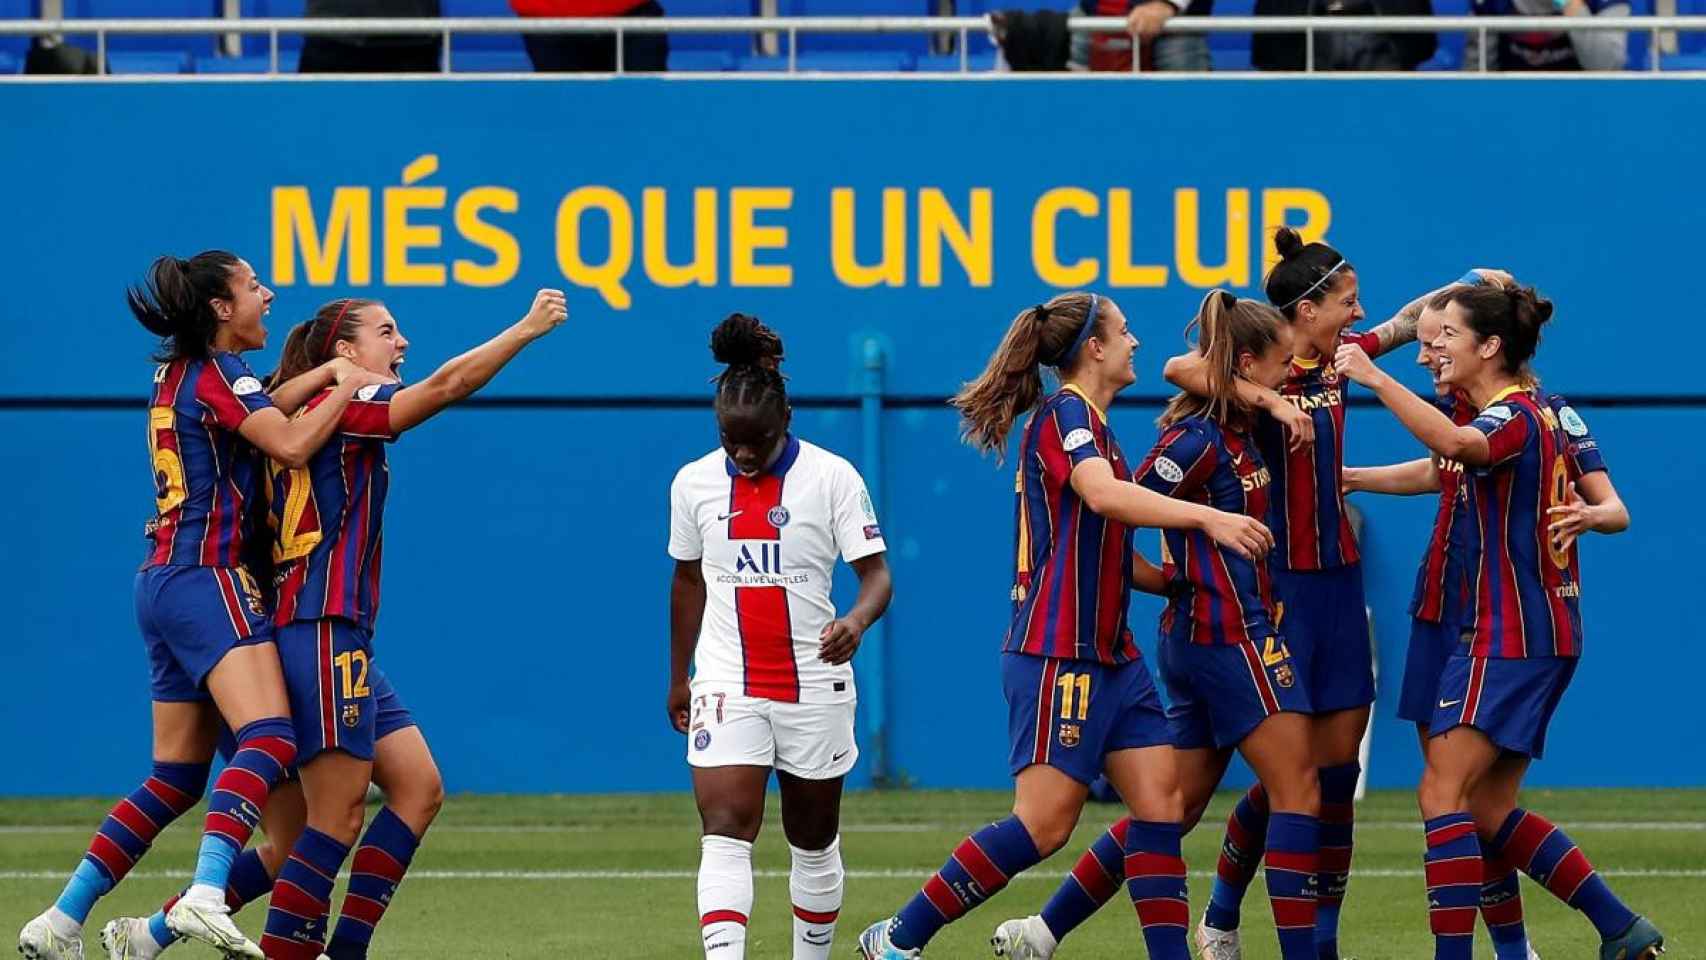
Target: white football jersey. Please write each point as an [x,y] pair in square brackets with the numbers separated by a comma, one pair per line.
[767,548]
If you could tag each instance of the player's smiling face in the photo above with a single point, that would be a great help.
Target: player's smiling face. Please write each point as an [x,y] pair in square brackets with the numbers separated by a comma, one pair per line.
[1428,356]
[1113,357]
[1337,312]
[1271,367]
[753,438]
[379,344]
[1462,354]
[243,315]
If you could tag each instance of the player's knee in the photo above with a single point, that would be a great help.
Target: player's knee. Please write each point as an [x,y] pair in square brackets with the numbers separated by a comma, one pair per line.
[418,801]
[735,822]
[1297,792]
[1439,794]
[1049,831]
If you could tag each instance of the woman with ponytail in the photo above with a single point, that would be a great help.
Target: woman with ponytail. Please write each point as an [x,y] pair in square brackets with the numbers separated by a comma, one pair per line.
[755,529]
[1522,632]
[327,517]
[1080,702]
[1231,680]
[202,615]
[1317,569]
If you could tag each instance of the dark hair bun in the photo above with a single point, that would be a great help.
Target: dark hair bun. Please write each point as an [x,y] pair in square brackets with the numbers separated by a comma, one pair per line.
[743,340]
[1529,308]
[1288,243]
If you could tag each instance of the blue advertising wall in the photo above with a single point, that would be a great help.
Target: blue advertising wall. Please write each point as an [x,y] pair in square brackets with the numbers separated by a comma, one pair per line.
[525,586]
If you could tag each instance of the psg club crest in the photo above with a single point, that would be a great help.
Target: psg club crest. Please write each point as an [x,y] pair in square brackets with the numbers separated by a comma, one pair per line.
[352,714]
[778,516]
[1070,735]
[702,739]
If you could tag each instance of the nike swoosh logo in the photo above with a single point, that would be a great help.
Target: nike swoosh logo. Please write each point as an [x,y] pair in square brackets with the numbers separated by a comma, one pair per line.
[729,516]
[1448,704]
[818,938]
[837,757]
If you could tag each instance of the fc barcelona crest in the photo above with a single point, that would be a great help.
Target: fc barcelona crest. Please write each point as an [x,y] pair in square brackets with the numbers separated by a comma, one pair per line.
[1070,735]
[352,714]
[1283,675]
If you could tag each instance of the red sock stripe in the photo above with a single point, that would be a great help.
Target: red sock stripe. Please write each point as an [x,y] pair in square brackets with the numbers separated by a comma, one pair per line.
[175,799]
[1257,795]
[242,783]
[1119,830]
[1452,921]
[282,751]
[1494,868]
[1165,912]
[1143,864]
[172,901]
[1296,862]
[1569,875]
[722,916]
[983,870]
[1095,880]
[374,861]
[1531,831]
[309,867]
[814,916]
[135,821]
[943,898]
[297,902]
[283,948]
[1441,836]
[228,827]
[111,856]
[1453,872]
[1237,833]
[1335,859]
[1338,813]
[1230,871]
[1293,913]
[362,908]
[1503,913]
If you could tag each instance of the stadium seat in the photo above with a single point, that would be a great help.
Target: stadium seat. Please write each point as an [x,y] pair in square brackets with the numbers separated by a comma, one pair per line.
[734,44]
[915,43]
[489,61]
[287,63]
[699,61]
[199,45]
[835,61]
[8,63]
[976,62]
[256,43]
[15,48]
[1230,52]
[134,61]
[483,41]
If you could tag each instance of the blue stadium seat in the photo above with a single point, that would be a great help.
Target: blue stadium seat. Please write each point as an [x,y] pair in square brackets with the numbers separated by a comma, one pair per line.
[14,48]
[699,61]
[489,61]
[735,44]
[200,45]
[287,63]
[483,41]
[914,43]
[133,61]
[976,62]
[835,61]
[1688,41]
[256,43]
[1230,52]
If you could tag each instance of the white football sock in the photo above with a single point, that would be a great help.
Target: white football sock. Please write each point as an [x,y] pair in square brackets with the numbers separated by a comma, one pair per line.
[815,883]
[725,896]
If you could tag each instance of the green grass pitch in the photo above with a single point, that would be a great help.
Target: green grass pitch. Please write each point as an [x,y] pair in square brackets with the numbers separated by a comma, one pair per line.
[612,876]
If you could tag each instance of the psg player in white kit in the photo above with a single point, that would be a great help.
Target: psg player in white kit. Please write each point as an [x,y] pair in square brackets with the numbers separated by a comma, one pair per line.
[755,529]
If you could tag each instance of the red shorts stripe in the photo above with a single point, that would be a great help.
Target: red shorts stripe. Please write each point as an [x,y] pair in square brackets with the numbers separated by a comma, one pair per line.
[328,693]
[1472,698]
[231,595]
[1045,712]
[722,916]
[814,916]
[1163,912]
[767,642]
[1259,678]
[983,870]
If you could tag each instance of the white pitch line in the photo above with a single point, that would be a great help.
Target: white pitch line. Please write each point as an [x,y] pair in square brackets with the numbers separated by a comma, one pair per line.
[915,874]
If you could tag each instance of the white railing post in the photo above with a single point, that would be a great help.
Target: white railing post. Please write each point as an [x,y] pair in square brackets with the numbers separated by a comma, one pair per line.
[1309,50]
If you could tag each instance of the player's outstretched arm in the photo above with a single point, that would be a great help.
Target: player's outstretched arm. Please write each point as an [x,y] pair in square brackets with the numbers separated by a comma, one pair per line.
[1424,420]
[1396,479]
[686,613]
[1189,372]
[1146,577]
[292,440]
[460,376]
[841,636]
[1135,506]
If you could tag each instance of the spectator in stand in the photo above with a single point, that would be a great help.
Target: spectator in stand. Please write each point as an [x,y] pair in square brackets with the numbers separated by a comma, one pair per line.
[594,52]
[371,53]
[1343,51]
[1577,50]
[1144,20]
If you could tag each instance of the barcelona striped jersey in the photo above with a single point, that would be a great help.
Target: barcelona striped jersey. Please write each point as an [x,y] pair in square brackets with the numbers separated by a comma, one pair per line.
[1216,597]
[1312,529]
[327,516]
[1441,587]
[206,476]
[1527,592]
[1072,570]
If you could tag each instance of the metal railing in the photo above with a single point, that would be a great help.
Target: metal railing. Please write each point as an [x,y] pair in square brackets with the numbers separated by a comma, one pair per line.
[791,27]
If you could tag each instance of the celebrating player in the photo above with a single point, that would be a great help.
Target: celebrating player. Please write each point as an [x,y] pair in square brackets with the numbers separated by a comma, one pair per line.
[1230,677]
[755,527]
[1080,702]
[1498,692]
[327,518]
[209,638]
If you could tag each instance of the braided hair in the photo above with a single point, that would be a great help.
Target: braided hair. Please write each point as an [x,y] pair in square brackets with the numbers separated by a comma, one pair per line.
[753,378]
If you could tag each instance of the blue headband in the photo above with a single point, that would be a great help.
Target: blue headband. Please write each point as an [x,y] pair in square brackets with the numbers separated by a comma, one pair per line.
[1083,335]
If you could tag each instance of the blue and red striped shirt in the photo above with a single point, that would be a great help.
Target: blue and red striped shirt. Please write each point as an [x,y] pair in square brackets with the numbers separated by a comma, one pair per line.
[1441,587]
[205,473]
[1072,572]
[1527,594]
[327,516]
[1312,529]
[1216,596]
